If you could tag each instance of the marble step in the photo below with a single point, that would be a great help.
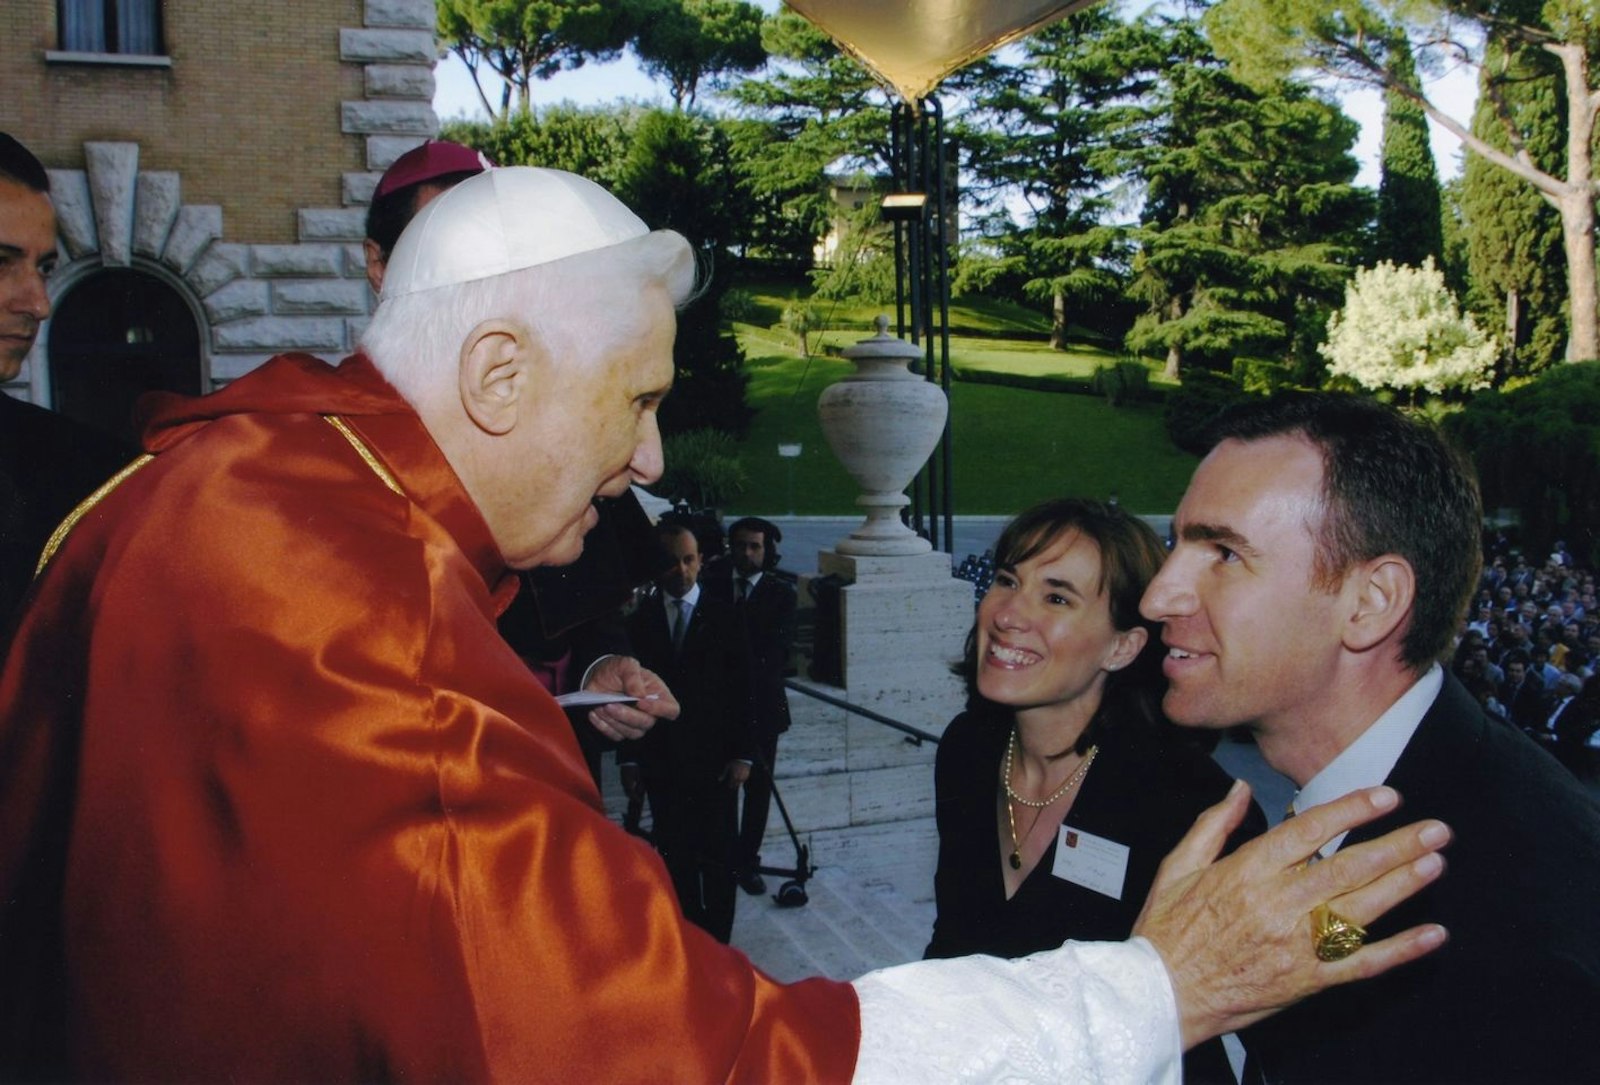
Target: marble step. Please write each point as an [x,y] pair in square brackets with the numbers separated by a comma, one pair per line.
[845,929]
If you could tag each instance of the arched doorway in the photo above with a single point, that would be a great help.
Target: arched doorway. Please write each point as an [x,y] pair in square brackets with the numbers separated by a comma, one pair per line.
[118,333]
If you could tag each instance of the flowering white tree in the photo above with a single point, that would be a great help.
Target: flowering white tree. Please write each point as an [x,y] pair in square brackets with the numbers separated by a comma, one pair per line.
[1401,328]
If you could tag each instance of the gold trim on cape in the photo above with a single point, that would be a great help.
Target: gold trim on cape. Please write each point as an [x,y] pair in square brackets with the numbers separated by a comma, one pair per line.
[59,535]
[364,452]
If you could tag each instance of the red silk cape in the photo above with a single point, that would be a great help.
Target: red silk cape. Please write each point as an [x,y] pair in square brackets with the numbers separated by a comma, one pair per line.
[277,802]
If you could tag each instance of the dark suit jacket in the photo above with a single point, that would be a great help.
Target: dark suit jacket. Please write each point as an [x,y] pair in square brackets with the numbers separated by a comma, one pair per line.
[710,677]
[1514,996]
[767,619]
[1525,705]
[1574,723]
[48,463]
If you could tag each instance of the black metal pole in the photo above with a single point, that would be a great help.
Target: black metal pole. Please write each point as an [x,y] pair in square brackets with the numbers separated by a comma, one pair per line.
[922,293]
[942,287]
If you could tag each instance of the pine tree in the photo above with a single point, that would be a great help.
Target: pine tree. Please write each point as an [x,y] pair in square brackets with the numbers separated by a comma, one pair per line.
[813,110]
[1036,134]
[1410,229]
[1251,222]
[1514,257]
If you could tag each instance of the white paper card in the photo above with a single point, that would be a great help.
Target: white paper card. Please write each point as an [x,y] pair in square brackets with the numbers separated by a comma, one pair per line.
[586,699]
[1091,861]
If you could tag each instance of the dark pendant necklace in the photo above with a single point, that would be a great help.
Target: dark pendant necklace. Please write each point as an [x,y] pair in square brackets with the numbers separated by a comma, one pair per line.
[1015,858]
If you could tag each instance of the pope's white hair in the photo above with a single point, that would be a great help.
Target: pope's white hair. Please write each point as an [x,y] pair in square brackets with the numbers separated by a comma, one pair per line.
[571,305]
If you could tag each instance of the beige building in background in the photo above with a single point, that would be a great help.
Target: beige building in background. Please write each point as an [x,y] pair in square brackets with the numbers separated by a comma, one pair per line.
[211,165]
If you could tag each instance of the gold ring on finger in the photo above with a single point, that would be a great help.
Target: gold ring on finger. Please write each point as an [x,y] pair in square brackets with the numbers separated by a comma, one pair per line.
[1333,936]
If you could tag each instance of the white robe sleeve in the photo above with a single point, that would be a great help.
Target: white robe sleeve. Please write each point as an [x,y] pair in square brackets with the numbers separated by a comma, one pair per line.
[1087,1012]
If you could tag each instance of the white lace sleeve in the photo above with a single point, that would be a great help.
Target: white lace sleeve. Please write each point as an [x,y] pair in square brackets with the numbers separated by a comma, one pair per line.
[1087,1012]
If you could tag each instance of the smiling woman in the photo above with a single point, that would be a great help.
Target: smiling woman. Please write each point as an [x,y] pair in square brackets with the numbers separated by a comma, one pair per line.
[1062,787]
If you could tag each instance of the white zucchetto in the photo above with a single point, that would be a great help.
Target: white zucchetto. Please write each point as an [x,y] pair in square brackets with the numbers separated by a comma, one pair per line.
[504,220]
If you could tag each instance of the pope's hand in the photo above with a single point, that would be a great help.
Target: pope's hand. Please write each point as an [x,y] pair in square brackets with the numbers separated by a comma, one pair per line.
[623,674]
[1236,934]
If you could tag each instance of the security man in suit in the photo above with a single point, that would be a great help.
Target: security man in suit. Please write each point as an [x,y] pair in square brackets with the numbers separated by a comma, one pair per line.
[1322,559]
[765,604]
[691,768]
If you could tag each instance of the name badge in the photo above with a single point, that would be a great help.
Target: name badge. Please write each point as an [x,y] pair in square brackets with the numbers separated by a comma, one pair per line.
[1091,861]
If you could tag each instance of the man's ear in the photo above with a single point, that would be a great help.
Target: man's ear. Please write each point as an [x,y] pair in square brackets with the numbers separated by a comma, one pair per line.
[496,359]
[1385,590]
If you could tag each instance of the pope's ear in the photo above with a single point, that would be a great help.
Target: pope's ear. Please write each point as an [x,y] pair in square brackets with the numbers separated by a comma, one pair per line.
[495,373]
[1385,592]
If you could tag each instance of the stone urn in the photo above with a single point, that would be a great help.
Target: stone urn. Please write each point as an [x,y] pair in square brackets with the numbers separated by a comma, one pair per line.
[883,422]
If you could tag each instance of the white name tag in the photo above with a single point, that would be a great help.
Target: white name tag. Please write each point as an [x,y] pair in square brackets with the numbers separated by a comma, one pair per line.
[1091,861]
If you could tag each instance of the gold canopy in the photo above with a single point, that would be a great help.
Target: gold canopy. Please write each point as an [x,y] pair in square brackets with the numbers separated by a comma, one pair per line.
[910,45]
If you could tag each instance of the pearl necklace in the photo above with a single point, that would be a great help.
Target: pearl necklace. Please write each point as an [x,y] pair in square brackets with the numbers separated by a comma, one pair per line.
[1074,780]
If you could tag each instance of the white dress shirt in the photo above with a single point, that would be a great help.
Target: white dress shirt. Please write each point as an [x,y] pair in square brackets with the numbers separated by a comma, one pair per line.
[688,601]
[1368,760]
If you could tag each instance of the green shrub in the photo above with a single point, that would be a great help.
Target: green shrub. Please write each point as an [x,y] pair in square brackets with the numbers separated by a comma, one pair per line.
[800,320]
[703,468]
[1123,382]
[1261,376]
[1193,407]
[738,304]
[1537,449]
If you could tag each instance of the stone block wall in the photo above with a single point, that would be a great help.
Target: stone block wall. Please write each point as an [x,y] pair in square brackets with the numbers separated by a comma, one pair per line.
[257,297]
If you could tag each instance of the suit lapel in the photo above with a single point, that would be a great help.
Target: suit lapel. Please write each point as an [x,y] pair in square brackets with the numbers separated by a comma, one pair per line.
[1441,745]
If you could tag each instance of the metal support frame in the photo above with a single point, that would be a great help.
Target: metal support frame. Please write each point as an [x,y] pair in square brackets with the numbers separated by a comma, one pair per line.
[922,288]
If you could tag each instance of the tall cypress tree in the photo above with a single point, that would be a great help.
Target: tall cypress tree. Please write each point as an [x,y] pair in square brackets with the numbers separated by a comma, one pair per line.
[1409,225]
[1515,262]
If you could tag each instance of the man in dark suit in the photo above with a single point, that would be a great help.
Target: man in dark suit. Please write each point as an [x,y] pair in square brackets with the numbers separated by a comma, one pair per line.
[48,462]
[1569,723]
[1323,557]
[691,768]
[765,604]
[1522,694]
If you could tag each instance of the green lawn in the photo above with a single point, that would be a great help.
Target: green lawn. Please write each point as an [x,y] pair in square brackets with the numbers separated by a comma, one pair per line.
[1012,447]
[968,315]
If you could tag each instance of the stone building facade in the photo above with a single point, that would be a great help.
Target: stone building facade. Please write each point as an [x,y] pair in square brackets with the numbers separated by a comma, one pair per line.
[211,195]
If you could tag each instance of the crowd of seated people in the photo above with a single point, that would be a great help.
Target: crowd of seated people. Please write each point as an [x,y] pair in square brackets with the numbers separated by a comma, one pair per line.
[1530,648]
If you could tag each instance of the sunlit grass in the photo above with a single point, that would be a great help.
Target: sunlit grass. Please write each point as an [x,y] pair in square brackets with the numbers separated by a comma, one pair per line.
[1011,446]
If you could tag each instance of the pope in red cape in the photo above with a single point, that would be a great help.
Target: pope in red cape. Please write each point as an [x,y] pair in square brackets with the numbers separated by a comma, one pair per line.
[277,802]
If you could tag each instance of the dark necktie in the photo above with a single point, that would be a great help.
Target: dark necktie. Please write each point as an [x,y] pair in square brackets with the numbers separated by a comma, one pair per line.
[741,588]
[680,623]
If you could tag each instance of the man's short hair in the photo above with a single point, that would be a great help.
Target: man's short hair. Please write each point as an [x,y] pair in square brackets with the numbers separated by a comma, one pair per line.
[668,530]
[387,215]
[770,534]
[20,165]
[1391,485]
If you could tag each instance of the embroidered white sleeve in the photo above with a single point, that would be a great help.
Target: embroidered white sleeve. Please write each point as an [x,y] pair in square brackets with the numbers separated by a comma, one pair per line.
[1091,1012]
